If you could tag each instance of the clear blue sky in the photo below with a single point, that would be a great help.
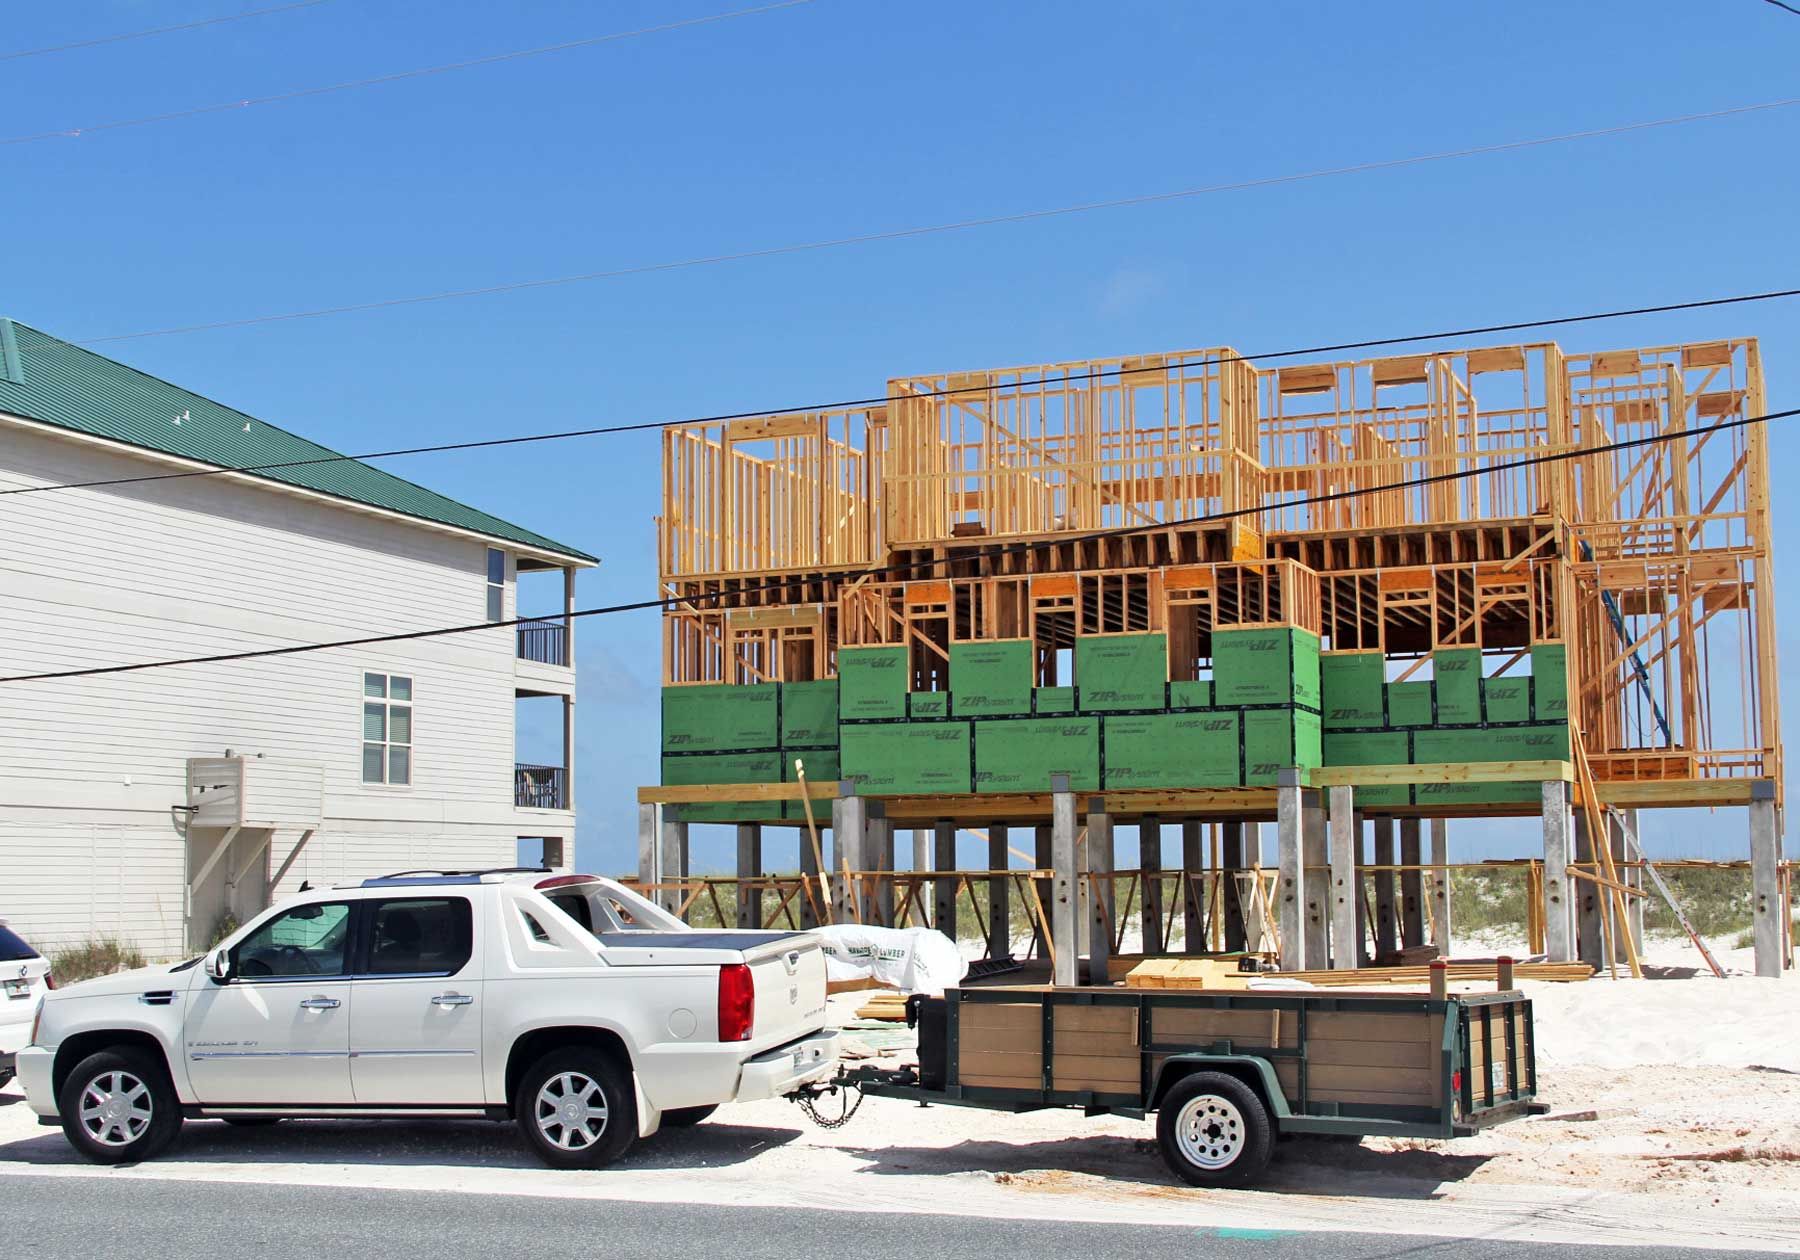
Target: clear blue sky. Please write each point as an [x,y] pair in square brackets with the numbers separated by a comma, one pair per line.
[840,117]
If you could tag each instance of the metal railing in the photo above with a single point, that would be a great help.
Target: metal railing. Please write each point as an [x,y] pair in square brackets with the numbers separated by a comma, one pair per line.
[546,641]
[540,787]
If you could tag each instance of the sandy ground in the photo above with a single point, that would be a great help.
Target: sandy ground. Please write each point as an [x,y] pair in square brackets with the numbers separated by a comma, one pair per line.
[1675,1120]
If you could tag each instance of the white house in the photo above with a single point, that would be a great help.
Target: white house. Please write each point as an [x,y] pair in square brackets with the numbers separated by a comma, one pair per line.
[147,805]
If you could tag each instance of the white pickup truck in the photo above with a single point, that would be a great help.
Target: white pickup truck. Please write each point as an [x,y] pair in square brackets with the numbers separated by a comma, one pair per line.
[567,1003]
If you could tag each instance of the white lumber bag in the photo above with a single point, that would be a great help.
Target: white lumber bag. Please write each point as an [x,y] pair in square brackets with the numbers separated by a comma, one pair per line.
[912,960]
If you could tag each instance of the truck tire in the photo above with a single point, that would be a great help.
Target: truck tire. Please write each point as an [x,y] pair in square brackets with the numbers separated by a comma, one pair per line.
[1214,1131]
[118,1106]
[577,1108]
[686,1117]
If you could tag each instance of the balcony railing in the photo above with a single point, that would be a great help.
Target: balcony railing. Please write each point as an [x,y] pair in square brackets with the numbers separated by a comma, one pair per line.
[546,642]
[540,787]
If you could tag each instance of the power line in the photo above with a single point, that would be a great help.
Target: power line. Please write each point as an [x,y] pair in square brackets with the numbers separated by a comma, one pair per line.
[846,404]
[396,77]
[159,30]
[893,570]
[1782,4]
[960,225]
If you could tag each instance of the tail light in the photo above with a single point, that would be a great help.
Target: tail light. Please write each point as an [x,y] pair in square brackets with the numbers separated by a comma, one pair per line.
[1456,1082]
[737,1002]
[49,979]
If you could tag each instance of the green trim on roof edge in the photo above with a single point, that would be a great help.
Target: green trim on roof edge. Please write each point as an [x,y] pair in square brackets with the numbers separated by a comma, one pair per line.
[67,387]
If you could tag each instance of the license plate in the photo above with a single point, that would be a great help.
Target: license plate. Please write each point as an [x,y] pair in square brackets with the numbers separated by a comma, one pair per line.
[18,988]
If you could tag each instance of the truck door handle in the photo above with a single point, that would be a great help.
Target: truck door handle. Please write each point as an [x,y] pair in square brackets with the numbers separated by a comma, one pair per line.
[320,1004]
[452,999]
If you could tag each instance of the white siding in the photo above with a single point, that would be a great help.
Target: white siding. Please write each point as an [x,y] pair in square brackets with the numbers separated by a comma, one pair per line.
[90,769]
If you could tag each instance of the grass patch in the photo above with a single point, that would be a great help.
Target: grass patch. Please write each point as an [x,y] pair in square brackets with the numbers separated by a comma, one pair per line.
[102,956]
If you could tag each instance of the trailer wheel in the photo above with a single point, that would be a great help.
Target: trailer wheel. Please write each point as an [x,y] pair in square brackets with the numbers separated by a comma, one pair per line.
[1214,1131]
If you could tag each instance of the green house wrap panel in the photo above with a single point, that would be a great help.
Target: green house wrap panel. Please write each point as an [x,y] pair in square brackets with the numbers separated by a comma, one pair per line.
[1276,666]
[1506,699]
[1535,741]
[1477,793]
[1457,674]
[719,717]
[1371,748]
[1409,704]
[990,678]
[1275,739]
[1055,700]
[1549,682]
[1350,687]
[928,704]
[1191,695]
[821,767]
[762,767]
[1021,755]
[871,682]
[809,714]
[1121,671]
[907,759]
[1173,750]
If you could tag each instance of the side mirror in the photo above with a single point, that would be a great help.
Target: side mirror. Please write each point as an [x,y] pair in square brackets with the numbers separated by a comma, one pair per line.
[218,965]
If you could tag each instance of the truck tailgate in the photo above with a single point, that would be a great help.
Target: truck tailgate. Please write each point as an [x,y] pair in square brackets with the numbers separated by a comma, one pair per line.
[789,980]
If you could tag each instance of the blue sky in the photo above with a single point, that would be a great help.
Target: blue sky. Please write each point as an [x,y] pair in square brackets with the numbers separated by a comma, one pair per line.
[843,117]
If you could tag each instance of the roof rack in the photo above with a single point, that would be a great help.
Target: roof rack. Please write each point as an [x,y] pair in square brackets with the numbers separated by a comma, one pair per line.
[401,879]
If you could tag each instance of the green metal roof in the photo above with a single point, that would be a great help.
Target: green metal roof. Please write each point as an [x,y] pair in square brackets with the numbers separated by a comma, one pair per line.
[56,383]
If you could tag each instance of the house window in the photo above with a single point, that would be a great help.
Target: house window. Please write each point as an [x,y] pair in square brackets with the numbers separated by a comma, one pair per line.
[387,729]
[496,585]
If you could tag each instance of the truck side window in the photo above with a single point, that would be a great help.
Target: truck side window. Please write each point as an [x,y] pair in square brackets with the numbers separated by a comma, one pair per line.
[576,907]
[306,941]
[420,936]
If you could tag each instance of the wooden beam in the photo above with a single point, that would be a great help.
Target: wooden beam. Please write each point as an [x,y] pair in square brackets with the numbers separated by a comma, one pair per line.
[1442,772]
[710,793]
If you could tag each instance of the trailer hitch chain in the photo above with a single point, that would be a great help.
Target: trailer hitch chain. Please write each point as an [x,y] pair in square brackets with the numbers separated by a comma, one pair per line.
[807,1097]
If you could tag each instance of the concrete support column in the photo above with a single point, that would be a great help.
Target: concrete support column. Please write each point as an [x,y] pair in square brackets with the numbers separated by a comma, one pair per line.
[1630,874]
[1318,880]
[849,828]
[1151,893]
[1045,858]
[1346,945]
[1412,885]
[943,891]
[1064,896]
[1235,890]
[1559,849]
[1440,886]
[999,894]
[1768,906]
[1193,888]
[809,872]
[674,851]
[647,846]
[878,905]
[1387,903]
[749,866]
[1102,904]
[1590,935]
[1289,829]
[924,894]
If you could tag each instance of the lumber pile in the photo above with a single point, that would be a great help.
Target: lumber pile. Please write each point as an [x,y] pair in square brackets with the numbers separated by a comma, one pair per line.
[1212,973]
[886,1005]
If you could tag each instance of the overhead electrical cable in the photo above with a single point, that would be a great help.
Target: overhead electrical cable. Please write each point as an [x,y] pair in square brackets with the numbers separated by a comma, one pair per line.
[123,36]
[222,107]
[1783,4]
[891,571]
[880,400]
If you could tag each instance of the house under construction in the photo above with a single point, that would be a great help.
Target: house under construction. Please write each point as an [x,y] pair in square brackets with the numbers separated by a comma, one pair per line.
[1195,590]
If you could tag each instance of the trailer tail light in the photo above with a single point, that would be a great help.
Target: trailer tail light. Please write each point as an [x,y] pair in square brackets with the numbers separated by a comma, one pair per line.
[737,1002]
[1456,1082]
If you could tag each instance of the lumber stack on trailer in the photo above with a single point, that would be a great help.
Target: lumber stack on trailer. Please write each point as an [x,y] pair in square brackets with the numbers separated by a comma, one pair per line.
[886,1005]
[1213,973]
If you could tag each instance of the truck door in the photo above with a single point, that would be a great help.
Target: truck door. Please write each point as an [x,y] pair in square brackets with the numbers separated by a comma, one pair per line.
[278,1030]
[415,1032]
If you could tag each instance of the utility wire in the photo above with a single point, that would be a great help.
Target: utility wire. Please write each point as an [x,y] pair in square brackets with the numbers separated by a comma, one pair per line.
[894,570]
[159,30]
[847,404]
[396,77]
[1782,4]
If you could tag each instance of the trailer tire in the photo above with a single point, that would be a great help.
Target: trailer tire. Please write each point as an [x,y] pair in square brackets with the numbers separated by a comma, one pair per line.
[1214,1131]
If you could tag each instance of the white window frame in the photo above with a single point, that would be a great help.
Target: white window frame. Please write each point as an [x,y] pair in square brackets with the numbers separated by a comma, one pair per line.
[388,704]
[496,591]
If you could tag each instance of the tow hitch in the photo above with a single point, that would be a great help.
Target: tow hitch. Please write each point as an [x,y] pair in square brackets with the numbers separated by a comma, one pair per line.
[854,1084]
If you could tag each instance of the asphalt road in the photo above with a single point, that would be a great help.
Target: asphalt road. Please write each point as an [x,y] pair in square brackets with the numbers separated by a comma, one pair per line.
[79,1218]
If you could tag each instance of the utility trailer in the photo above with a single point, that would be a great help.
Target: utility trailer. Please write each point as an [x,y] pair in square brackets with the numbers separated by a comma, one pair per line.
[1226,1073]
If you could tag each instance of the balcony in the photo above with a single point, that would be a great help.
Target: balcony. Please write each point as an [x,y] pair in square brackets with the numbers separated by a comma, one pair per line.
[545,641]
[540,787]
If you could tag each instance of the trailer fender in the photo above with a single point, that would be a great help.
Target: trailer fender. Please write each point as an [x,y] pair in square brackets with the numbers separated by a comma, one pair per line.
[1258,1073]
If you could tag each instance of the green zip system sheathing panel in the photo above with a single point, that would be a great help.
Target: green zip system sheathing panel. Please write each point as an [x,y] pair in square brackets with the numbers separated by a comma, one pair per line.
[809,714]
[1456,672]
[1350,687]
[989,679]
[1549,682]
[1271,666]
[1540,741]
[1409,704]
[1121,671]
[1174,750]
[1506,699]
[871,683]
[762,767]
[1191,695]
[928,704]
[821,767]
[719,717]
[1277,738]
[1055,700]
[1020,755]
[1371,748]
[902,759]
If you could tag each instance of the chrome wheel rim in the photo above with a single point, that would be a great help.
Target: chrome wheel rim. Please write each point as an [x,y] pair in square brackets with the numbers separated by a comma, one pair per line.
[571,1111]
[1210,1131]
[115,1109]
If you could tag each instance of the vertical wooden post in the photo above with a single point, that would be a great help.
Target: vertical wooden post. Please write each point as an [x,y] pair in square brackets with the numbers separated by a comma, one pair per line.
[1387,911]
[809,897]
[999,894]
[1289,826]
[647,834]
[849,828]
[943,891]
[1559,845]
[1412,885]
[1440,886]
[672,844]
[1193,888]
[1151,897]
[1346,946]
[878,853]
[749,867]
[1589,933]
[1046,888]
[1231,874]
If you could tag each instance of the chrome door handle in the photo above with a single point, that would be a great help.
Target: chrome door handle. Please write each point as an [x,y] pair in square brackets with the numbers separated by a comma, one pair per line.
[452,999]
[320,1004]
